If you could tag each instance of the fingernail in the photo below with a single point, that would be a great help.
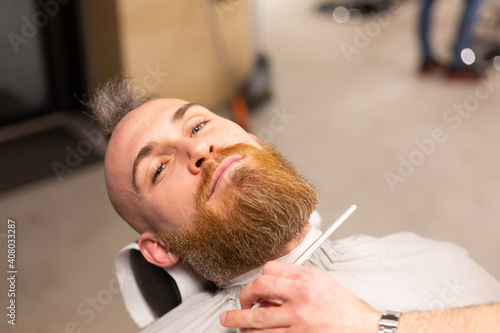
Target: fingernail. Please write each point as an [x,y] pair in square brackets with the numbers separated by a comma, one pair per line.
[222,317]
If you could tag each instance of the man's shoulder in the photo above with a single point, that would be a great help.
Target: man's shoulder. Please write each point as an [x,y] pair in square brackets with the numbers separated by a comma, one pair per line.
[402,244]
[409,272]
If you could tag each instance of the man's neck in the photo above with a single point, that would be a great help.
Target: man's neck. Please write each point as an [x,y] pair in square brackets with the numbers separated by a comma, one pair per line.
[296,241]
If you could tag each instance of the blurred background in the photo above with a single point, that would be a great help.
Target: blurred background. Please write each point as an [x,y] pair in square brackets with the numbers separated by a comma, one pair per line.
[335,86]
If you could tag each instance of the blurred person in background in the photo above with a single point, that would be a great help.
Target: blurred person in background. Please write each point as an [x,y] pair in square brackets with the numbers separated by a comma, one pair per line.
[456,69]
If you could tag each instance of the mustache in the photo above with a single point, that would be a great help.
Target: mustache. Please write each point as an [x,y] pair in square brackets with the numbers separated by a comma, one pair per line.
[219,155]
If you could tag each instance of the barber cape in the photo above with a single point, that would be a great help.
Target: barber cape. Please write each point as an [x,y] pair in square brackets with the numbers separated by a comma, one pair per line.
[399,272]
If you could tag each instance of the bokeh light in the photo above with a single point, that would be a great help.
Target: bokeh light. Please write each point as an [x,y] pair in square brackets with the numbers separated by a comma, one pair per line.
[340,14]
[355,16]
[468,56]
[496,63]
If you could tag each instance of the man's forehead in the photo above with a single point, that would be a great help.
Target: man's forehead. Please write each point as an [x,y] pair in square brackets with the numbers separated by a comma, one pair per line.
[138,123]
[163,106]
[147,115]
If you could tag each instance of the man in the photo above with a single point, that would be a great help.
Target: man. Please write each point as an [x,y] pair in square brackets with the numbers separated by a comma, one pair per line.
[201,190]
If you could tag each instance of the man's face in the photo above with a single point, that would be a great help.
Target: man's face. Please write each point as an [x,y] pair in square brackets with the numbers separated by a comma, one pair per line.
[214,195]
[261,214]
[155,159]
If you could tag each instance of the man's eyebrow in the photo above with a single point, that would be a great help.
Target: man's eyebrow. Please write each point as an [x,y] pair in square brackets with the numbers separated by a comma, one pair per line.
[144,152]
[179,114]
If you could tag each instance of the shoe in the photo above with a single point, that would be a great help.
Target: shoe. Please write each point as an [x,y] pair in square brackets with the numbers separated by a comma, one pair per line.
[430,66]
[464,73]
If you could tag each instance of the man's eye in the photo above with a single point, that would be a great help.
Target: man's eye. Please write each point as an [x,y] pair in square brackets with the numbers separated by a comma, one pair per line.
[158,171]
[198,127]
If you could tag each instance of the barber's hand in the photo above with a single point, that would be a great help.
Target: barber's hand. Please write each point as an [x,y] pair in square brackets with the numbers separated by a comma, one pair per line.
[311,301]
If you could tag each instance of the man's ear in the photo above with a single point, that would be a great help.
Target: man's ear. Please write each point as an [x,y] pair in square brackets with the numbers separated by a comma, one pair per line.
[155,252]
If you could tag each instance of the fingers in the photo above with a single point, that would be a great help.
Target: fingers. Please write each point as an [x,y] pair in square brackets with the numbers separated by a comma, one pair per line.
[267,287]
[279,280]
[270,317]
[291,286]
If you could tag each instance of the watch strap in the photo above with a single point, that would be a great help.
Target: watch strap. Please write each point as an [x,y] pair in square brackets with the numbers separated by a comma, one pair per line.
[389,322]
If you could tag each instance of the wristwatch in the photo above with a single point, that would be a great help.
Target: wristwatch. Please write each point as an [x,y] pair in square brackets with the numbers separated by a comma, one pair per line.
[389,322]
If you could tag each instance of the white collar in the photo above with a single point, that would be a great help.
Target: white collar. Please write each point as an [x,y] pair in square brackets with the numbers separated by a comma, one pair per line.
[245,278]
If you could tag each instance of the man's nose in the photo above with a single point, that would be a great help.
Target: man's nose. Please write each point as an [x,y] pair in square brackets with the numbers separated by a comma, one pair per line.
[199,152]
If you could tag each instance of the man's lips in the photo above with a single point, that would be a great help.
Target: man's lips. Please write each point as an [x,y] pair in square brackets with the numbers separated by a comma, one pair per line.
[222,170]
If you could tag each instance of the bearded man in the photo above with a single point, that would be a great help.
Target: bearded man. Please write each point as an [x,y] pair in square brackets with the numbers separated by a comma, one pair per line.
[201,190]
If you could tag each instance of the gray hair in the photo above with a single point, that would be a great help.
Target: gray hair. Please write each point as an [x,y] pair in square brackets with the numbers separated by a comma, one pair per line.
[112,100]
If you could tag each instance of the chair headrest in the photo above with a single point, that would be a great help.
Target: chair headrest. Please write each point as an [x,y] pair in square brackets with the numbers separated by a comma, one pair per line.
[150,291]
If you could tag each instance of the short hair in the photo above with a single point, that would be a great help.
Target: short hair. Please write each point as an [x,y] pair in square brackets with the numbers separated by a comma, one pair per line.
[112,100]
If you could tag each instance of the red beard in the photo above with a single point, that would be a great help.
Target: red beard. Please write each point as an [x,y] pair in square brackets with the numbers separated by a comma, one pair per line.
[264,207]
